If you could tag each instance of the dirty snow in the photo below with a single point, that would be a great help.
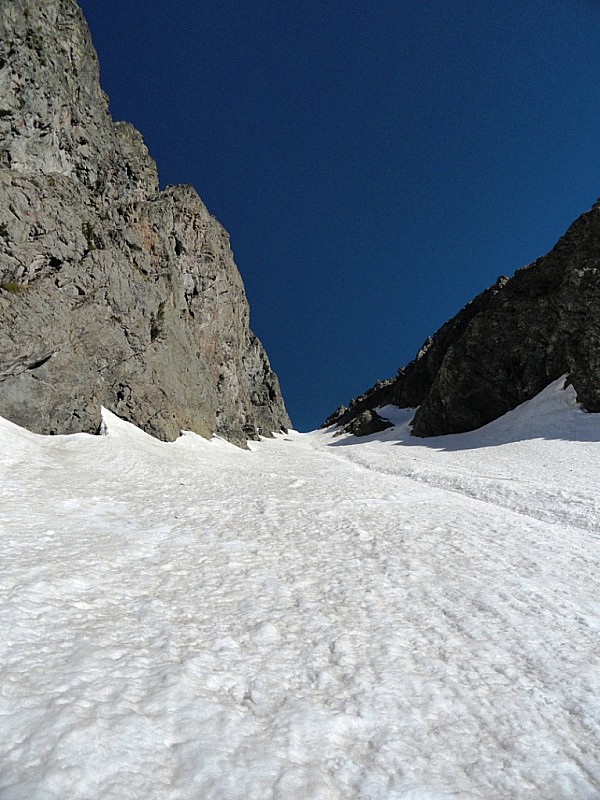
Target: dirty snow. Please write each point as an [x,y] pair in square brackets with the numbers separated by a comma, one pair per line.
[320,617]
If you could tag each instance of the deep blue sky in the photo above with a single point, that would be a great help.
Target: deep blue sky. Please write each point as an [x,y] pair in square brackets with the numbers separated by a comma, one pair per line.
[376,163]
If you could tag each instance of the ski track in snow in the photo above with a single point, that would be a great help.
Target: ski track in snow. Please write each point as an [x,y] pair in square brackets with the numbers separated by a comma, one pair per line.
[319,618]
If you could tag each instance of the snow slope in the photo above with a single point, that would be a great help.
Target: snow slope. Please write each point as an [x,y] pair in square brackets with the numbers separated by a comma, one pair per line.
[320,617]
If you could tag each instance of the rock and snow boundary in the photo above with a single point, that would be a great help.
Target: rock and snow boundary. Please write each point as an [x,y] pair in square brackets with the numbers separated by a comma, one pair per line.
[319,617]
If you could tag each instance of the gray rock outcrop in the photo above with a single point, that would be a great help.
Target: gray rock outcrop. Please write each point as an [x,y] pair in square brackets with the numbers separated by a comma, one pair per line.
[507,344]
[111,292]
[365,423]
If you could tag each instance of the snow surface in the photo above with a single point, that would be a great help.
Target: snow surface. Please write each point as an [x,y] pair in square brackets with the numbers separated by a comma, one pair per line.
[319,617]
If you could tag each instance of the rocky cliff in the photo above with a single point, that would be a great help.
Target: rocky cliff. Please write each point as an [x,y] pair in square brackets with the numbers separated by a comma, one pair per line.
[504,347]
[111,292]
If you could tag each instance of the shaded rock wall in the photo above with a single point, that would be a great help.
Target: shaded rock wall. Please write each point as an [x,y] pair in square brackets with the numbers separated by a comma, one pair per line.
[507,344]
[111,292]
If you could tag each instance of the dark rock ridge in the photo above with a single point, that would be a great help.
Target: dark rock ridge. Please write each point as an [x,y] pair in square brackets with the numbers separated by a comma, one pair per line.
[111,292]
[506,345]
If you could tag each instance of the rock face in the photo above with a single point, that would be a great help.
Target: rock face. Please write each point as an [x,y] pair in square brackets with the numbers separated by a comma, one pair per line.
[507,344]
[111,292]
[365,423]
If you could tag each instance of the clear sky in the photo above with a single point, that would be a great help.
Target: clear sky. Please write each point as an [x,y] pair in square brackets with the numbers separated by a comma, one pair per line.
[376,163]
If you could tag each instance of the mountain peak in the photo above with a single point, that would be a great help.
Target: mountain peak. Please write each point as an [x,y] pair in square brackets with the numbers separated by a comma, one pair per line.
[507,344]
[111,292]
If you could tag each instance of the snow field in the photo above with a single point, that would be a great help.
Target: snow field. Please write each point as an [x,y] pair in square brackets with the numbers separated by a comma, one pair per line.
[320,617]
